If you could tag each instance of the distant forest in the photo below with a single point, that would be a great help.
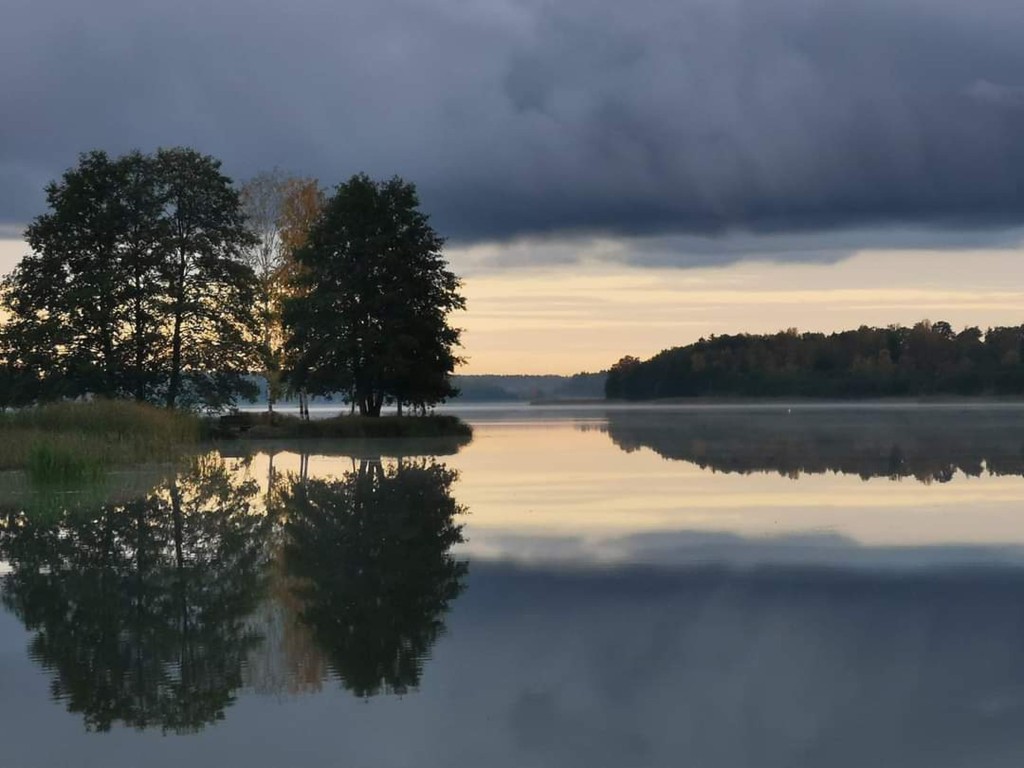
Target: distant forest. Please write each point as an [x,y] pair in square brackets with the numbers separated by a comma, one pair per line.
[926,359]
[497,388]
[509,388]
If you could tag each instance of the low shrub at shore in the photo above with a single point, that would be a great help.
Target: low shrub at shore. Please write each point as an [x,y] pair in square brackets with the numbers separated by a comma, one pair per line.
[259,426]
[76,442]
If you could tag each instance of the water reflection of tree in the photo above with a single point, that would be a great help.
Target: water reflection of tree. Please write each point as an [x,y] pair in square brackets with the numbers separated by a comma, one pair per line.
[371,563]
[930,445]
[139,608]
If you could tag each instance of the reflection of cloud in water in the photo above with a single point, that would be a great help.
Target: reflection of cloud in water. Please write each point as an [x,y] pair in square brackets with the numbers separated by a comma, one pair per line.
[726,549]
[769,667]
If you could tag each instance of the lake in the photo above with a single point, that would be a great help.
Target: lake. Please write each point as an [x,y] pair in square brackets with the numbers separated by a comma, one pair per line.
[720,586]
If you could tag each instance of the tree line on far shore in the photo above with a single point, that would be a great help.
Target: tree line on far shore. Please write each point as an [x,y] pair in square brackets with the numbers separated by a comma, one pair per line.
[152,277]
[895,361]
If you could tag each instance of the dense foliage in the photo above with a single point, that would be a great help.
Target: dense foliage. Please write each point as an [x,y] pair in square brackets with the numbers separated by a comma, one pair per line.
[151,277]
[135,286]
[927,359]
[369,313]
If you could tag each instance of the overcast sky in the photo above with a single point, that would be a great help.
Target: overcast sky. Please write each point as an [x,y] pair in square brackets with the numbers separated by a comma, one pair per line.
[649,134]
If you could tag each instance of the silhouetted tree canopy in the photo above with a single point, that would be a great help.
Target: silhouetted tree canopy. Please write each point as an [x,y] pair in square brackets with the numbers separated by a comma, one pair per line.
[139,609]
[136,285]
[927,359]
[371,554]
[369,315]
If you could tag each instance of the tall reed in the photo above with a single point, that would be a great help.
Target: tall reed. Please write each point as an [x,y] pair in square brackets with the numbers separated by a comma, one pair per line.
[73,442]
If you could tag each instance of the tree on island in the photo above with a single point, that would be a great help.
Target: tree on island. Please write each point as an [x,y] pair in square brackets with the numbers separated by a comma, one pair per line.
[372,295]
[279,211]
[210,288]
[136,285]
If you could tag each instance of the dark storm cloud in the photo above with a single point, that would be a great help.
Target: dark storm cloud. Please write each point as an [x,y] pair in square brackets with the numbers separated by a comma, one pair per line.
[528,118]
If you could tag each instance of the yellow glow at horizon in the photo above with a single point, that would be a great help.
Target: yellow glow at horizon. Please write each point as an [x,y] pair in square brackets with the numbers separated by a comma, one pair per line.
[585,316]
[11,252]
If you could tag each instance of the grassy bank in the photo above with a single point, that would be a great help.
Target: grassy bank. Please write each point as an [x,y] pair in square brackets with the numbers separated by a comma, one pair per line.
[78,442]
[264,426]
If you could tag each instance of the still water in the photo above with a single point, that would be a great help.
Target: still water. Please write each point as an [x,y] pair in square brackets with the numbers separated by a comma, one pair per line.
[801,586]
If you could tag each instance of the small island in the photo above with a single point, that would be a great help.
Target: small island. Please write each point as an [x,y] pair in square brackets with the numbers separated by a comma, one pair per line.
[157,296]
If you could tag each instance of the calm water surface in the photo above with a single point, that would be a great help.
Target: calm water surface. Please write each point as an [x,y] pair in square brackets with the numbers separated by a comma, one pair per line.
[578,587]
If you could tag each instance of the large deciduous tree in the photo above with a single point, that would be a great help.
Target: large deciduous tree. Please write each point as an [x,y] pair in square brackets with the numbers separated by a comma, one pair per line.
[302,204]
[372,297]
[210,290]
[80,305]
[136,285]
[279,211]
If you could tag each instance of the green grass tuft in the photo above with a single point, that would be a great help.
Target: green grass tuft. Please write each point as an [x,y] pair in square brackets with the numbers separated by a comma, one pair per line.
[57,465]
[75,442]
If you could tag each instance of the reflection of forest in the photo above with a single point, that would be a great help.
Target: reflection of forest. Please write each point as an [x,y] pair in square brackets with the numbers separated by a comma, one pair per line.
[929,444]
[139,607]
[154,611]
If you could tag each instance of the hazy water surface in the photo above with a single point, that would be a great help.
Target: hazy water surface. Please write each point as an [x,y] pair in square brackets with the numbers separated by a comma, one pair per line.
[738,586]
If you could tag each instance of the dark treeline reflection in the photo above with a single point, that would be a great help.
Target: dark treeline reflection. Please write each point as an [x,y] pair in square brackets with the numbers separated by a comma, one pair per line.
[370,558]
[929,444]
[154,612]
[139,608]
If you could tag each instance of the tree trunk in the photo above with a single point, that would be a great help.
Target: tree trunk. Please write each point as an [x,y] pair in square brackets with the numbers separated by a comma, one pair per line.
[175,383]
[376,400]
[179,313]
[140,342]
[271,478]
[179,555]
[140,356]
[109,369]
